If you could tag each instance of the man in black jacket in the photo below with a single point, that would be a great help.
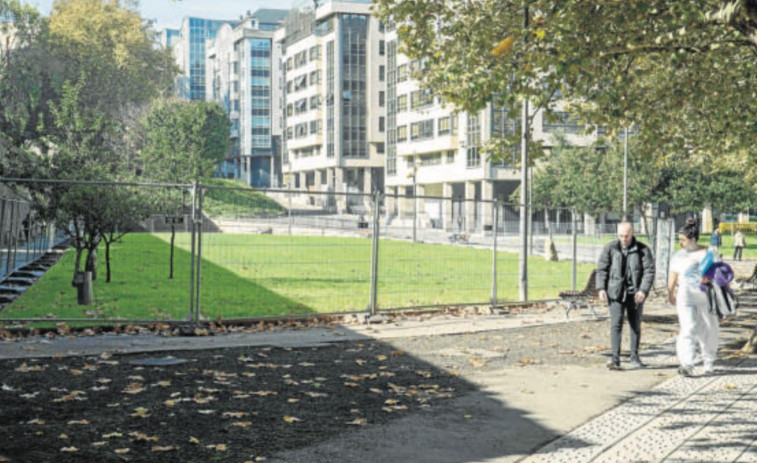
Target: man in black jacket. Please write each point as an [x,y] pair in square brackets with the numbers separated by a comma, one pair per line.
[625,273]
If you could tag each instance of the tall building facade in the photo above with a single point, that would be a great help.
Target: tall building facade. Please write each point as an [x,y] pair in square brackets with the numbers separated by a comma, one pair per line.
[432,150]
[189,52]
[333,83]
[240,73]
[169,37]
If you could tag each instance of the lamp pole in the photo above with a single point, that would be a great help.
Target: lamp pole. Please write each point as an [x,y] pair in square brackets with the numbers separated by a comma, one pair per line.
[523,256]
[415,200]
[625,175]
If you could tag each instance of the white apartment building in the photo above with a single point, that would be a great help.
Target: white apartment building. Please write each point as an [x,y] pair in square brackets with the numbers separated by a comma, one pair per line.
[239,72]
[333,79]
[434,151]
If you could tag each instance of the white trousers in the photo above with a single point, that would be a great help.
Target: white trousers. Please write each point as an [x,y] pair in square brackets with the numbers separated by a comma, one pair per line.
[697,326]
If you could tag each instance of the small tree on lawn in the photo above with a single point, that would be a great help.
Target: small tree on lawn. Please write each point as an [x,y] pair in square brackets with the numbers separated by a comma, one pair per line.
[183,143]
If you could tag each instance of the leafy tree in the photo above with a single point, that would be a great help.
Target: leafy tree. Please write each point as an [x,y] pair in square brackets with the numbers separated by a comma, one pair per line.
[69,95]
[618,63]
[183,143]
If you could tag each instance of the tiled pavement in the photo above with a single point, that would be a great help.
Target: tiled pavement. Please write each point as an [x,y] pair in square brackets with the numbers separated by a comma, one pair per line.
[701,419]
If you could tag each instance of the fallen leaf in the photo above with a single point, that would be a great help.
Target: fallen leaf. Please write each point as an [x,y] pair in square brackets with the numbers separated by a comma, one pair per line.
[358,422]
[122,451]
[78,422]
[194,440]
[142,437]
[69,449]
[242,424]
[166,448]
[291,419]
[112,435]
[36,421]
[478,362]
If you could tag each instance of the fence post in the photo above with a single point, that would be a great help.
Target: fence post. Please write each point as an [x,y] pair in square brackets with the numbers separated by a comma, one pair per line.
[2,230]
[574,236]
[373,306]
[289,209]
[192,255]
[495,230]
[198,284]
[11,241]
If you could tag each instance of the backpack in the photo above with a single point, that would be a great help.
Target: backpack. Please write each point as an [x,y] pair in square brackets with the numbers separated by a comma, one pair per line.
[721,300]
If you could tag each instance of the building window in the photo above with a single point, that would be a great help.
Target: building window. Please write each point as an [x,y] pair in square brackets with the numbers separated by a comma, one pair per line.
[431,159]
[382,98]
[401,133]
[563,121]
[450,157]
[382,48]
[445,126]
[422,130]
[380,148]
[401,103]
[473,158]
[315,53]
[381,124]
[421,99]
[382,73]
[300,106]
[402,73]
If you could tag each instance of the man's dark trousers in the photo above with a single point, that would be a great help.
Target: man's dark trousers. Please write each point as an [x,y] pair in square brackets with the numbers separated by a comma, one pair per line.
[618,310]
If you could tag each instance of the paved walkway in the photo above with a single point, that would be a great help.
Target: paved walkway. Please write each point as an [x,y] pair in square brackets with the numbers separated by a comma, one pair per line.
[694,420]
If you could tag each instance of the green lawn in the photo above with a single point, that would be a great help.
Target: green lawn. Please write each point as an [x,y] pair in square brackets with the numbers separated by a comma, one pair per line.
[262,275]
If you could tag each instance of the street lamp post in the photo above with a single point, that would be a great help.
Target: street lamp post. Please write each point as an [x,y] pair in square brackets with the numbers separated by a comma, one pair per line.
[523,256]
[625,175]
[415,200]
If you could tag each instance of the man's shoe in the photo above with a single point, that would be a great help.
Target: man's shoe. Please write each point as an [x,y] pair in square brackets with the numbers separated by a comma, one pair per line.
[636,363]
[709,370]
[614,366]
[684,371]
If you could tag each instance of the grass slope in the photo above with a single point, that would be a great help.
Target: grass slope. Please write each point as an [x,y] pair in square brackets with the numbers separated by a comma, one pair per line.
[230,203]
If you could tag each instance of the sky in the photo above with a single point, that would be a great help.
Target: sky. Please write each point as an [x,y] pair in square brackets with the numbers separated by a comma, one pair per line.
[168,13]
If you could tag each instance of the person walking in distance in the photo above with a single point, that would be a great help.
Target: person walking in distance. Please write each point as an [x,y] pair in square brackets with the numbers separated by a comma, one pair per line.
[697,325]
[739,243]
[716,240]
[625,273]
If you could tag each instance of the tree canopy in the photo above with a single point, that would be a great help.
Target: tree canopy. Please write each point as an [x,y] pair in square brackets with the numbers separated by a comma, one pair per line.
[684,72]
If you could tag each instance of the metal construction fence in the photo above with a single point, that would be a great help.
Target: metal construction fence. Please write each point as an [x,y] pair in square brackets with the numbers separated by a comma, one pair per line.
[23,238]
[191,252]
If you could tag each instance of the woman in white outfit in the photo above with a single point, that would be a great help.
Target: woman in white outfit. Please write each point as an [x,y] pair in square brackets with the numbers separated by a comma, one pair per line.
[697,324]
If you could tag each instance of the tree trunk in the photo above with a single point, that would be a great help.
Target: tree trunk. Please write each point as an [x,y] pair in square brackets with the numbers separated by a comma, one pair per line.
[107,261]
[77,262]
[91,263]
[173,238]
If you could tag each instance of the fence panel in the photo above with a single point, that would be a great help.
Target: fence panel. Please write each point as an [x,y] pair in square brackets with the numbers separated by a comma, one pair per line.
[237,253]
[303,259]
[131,264]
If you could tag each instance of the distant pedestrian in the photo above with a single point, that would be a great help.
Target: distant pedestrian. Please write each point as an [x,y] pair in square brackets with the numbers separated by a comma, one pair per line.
[625,273]
[739,243]
[697,325]
[716,240]
[459,223]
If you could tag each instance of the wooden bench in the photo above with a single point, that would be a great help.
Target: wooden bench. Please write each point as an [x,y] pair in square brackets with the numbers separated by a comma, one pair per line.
[578,299]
